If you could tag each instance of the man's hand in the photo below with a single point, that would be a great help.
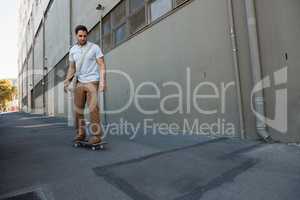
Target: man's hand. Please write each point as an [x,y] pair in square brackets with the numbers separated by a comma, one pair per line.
[70,75]
[102,86]
[66,87]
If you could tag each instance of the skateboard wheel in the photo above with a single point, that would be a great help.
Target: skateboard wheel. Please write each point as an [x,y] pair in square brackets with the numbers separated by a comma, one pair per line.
[94,148]
[101,147]
[76,145]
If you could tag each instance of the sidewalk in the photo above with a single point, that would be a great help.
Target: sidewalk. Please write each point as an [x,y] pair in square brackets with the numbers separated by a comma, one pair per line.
[37,161]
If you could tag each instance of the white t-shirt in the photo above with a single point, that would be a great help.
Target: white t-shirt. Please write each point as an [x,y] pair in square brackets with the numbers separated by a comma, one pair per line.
[89,70]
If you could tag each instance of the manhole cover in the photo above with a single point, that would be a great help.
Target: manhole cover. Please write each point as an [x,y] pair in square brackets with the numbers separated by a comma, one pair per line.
[25,196]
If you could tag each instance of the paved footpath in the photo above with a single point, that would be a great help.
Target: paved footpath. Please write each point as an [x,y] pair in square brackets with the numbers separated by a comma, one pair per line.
[37,161]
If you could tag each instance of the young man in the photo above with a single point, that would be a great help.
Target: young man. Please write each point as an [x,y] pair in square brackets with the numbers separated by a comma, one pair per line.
[86,63]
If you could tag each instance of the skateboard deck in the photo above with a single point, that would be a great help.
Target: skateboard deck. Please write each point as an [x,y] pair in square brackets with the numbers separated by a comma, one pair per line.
[94,147]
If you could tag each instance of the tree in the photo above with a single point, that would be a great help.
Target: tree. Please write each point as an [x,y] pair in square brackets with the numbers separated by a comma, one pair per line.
[7,94]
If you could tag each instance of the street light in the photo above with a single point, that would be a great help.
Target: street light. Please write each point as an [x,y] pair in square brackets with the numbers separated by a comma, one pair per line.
[100,7]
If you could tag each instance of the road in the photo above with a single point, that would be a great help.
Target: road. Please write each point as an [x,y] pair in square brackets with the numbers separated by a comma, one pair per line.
[37,161]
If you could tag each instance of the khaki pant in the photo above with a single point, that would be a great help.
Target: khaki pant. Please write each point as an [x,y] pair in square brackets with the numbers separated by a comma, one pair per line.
[87,93]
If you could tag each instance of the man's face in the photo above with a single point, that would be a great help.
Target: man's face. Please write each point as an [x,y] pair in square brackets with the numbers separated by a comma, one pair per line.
[81,37]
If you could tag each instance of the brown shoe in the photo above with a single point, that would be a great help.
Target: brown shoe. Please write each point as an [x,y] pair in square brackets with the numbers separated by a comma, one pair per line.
[95,139]
[80,136]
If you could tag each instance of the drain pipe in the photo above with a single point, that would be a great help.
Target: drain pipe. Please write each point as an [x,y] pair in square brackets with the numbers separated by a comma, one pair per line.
[44,64]
[236,67]
[70,115]
[256,69]
[101,9]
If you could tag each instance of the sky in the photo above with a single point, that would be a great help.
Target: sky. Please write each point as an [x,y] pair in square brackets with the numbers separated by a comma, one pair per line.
[8,39]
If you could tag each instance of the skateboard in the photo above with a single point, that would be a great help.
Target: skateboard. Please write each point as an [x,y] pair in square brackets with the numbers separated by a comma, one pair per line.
[94,147]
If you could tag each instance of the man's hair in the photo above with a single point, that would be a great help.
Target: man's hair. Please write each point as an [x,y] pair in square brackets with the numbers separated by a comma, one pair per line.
[80,28]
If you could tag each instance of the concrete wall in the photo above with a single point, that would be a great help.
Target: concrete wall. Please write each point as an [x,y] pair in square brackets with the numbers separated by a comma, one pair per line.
[44,4]
[30,69]
[38,102]
[60,101]
[24,79]
[38,13]
[29,35]
[29,78]
[279,30]
[22,54]
[50,95]
[162,53]
[38,57]
[57,32]
[84,12]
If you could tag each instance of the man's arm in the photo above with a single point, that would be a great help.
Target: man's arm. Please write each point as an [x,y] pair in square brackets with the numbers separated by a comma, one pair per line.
[70,75]
[101,64]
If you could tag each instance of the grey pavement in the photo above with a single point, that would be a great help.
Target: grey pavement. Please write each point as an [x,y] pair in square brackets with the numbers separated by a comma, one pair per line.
[37,161]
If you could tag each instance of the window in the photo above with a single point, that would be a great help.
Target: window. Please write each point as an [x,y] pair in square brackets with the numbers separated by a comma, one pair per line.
[106,26]
[136,4]
[137,21]
[119,14]
[119,23]
[137,18]
[106,43]
[120,34]
[179,2]
[106,34]
[94,34]
[130,16]
[159,8]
